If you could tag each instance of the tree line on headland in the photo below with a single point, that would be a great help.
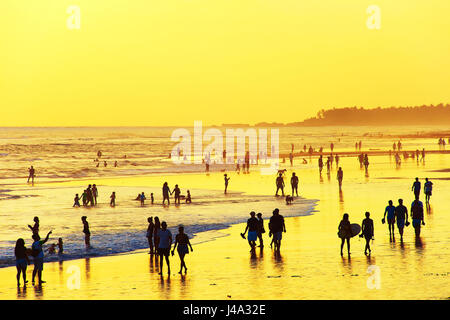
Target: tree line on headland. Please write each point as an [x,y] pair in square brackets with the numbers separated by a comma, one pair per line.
[359,116]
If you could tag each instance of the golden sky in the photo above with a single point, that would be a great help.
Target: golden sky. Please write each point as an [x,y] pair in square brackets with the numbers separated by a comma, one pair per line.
[170,62]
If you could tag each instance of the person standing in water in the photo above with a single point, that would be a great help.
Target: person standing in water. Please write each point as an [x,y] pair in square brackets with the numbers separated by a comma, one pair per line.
[165,243]
[345,232]
[22,261]
[390,211]
[177,193]
[181,244]
[142,199]
[417,215]
[112,203]
[76,201]
[35,228]
[320,164]
[152,199]
[188,197]
[416,188]
[150,230]
[367,232]
[60,246]
[294,184]
[401,215]
[87,232]
[166,192]
[38,257]
[280,184]
[428,188]
[31,174]
[156,229]
[277,227]
[94,194]
[337,160]
[340,177]
[226,182]
[252,228]
[261,229]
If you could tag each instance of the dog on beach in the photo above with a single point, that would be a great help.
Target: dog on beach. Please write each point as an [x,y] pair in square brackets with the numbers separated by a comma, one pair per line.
[289,199]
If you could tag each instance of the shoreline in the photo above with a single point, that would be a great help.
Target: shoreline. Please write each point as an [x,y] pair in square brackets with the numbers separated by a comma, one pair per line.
[309,267]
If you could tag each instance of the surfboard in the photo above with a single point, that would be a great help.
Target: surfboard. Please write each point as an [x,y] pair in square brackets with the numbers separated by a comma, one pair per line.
[356,229]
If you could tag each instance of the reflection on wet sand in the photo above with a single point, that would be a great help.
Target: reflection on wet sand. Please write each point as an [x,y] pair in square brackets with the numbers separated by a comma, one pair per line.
[87,268]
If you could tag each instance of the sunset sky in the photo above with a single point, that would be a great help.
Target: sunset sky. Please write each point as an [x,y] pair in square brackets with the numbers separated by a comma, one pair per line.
[170,62]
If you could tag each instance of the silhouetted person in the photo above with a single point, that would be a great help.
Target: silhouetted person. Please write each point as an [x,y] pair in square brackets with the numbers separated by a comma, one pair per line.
[340,177]
[35,228]
[112,203]
[247,161]
[294,184]
[428,188]
[280,184]
[87,232]
[367,232]
[38,256]
[225,177]
[156,229]
[252,228]
[94,194]
[390,212]
[366,161]
[416,188]
[164,245]
[22,261]
[291,159]
[166,192]
[177,193]
[181,244]
[337,160]
[60,246]
[76,201]
[31,175]
[417,215]
[401,215]
[261,229]
[277,227]
[150,230]
[345,232]
[188,197]
[320,164]
[331,147]
[152,199]
[142,199]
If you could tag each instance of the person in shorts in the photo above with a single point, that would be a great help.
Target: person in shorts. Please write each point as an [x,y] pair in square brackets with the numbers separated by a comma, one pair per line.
[401,215]
[38,256]
[390,212]
[183,243]
[252,228]
[277,227]
[164,245]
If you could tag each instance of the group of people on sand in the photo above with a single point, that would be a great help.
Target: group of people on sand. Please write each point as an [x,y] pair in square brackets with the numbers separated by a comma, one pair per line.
[279,183]
[160,243]
[255,230]
[392,215]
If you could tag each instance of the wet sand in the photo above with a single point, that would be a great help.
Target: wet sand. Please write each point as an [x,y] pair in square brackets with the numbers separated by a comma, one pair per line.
[310,266]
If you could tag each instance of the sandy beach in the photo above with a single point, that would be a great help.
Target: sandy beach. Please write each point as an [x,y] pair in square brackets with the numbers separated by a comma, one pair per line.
[310,266]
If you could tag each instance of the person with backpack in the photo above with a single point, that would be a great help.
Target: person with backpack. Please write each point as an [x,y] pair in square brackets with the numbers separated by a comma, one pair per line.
[38,256]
